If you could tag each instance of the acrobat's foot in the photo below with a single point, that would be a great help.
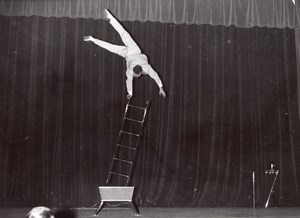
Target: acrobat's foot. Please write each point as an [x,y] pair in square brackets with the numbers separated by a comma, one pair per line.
[108,14]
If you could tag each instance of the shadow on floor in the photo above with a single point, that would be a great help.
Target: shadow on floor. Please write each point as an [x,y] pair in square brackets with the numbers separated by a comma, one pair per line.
[65,213]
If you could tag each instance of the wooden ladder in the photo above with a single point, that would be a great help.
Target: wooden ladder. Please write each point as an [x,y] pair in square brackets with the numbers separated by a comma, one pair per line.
[129,139]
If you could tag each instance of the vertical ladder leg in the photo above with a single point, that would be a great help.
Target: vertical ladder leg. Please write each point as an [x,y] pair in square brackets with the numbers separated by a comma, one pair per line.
[134,207]
[100,207]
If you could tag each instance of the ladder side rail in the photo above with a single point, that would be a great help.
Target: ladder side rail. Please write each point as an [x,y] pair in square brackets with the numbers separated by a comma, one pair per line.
[145,112]
[138,143]
[117,148]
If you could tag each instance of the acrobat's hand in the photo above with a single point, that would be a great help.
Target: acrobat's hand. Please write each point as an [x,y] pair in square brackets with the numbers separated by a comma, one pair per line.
[162,92]
[129,96]
[88,38]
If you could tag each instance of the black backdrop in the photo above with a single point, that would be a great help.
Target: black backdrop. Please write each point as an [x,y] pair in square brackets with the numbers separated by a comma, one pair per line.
[231,110]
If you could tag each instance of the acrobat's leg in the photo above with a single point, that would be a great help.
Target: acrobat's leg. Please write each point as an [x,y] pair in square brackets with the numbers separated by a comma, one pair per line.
[117,49]
[132,47]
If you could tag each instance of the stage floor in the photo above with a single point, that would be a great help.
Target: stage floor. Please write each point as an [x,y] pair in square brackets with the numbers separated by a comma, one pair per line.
[151,212]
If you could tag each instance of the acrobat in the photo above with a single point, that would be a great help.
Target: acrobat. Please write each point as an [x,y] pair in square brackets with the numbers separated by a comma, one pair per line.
[137,63]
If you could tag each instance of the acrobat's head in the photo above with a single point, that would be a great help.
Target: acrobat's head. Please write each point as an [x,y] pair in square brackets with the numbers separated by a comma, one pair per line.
[138,71]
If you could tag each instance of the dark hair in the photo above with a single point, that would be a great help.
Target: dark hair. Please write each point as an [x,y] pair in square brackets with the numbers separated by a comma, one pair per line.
[137,69]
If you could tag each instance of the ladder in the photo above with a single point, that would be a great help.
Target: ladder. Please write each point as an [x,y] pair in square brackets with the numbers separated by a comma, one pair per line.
[127,147]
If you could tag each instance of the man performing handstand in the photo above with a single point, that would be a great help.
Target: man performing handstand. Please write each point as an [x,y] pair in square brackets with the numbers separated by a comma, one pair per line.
[137,63]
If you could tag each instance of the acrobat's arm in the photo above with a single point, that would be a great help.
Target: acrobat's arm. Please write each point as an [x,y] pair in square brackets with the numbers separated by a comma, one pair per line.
[129,85]
[156,78]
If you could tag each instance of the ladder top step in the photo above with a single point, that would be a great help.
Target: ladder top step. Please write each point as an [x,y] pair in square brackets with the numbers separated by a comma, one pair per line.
[142,108]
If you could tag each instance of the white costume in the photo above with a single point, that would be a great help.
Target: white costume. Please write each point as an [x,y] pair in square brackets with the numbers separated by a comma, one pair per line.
[131,52]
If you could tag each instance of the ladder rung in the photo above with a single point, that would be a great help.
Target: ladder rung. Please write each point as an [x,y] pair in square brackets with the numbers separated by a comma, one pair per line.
[139,121]
[130,133]
[142,108]
[126,146]
[119,174]
[126,161]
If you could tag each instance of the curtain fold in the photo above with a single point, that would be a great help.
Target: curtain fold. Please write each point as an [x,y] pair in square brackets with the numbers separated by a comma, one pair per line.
[241,13]
[297,47]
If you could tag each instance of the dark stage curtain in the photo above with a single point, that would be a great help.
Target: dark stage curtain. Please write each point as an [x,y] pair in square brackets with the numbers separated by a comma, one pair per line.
[231,110]
[240,13]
